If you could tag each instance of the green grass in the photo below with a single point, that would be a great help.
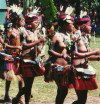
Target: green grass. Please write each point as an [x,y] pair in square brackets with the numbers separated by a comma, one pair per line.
[42,91]
[95,44]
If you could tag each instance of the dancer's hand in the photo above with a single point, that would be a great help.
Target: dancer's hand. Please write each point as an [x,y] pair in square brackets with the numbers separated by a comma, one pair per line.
[42,39]
[97,52]
[19,47]
[66,57]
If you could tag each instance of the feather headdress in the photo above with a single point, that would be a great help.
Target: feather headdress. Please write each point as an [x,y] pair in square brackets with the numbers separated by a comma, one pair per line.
[34,12]
[67,18]
[16,9]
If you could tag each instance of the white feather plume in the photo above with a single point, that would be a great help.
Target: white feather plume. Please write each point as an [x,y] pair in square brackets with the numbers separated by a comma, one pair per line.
[16,9]
[34,12]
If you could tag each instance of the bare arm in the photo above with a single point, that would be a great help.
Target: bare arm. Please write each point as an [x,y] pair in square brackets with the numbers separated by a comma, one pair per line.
[54,53]
[59,55]
[94,58]
[8,46]
[30,45]
[11,46]
[87,54]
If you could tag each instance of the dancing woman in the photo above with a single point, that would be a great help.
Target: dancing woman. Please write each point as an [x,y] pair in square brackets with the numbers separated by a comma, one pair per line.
[56,66]
[78,60]
[29,67]
[12,47]
[84,75]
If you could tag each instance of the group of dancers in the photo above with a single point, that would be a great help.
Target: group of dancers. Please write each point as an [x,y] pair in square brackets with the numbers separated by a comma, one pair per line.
[24,43]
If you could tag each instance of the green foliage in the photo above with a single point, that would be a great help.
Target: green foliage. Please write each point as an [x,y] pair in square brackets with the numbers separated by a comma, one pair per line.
[28,3]
[49,10]
[90,3]
[86,5]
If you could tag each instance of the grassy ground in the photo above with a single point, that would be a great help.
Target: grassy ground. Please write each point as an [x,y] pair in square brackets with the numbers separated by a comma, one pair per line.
[95,44]
[47,91]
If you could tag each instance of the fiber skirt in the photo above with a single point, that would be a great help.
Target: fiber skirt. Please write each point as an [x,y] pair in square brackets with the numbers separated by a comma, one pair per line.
[85,79]
[83,84]
[59,74]
[8,70]
[29,70]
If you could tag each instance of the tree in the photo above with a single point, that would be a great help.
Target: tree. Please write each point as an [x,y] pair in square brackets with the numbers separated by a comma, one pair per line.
[28,3]
[85,5]
[49,10]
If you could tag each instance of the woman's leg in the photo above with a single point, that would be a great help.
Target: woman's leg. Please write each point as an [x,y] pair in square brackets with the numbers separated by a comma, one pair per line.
[28,86]
[20,86]
[82,96]
[7,87]
[25,90]
[61,94]
[18,96]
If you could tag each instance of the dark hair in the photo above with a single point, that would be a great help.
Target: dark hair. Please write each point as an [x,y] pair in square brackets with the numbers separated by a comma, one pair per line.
[7,25]
[62,24]
[15,18]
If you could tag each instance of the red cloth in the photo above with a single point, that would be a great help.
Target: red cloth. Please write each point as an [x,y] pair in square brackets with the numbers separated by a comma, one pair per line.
[81,84]
[28,71]
[28,19]
[89,84]
[87,19]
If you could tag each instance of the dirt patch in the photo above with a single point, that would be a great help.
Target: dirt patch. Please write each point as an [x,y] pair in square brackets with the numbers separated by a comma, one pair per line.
[69,100]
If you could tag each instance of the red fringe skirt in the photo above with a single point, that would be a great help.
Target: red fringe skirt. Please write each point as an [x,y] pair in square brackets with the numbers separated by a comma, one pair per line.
[85,84]
[27,70]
